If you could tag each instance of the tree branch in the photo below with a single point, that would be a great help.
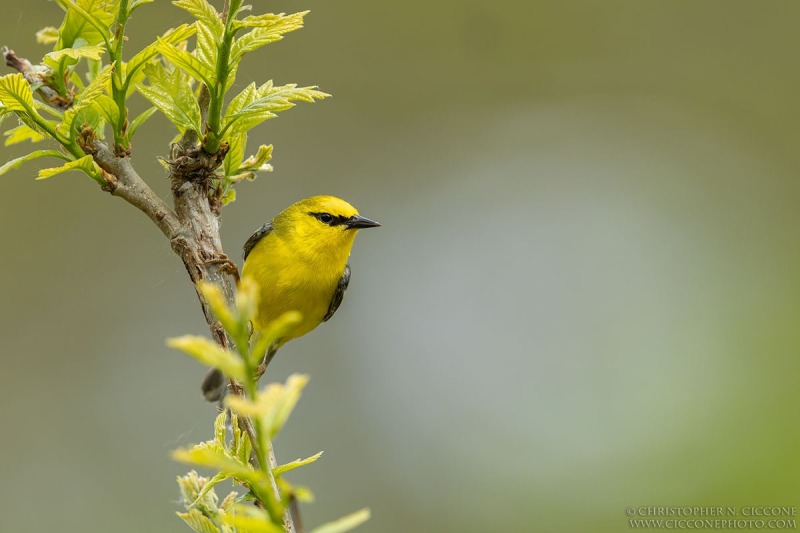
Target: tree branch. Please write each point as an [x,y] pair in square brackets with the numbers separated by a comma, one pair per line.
[126,183]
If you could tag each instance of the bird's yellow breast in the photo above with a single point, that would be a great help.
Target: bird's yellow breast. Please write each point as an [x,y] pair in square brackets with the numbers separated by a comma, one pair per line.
[294,277]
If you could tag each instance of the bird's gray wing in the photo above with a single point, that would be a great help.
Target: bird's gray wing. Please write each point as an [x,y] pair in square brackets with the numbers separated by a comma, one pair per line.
[338,294]
[255,237]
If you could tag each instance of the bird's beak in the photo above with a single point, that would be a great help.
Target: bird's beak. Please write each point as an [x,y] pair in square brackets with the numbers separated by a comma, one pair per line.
[359,222]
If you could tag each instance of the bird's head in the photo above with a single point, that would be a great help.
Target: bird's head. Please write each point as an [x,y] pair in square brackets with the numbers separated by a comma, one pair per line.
[322,224]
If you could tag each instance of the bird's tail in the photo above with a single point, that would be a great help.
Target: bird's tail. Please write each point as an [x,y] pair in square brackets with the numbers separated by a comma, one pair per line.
[214,385]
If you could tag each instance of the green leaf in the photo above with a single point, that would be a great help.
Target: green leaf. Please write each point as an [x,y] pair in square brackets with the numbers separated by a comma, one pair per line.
[273,405]
[237,170]
[198,492]
[60,63]
[227,504]
[85,164]
[190,486]
[198,521]
[15,93]
[192,65]
[211,354]
[205,456]
[22,133]
[220,430]
[229,197]
[89,20]
[345,523]
[107,108]
[282,469]
[259,21]
[268,31]
[94,52]
[250,519]
[16,163]
[173,36]
[209,486]
[289,397]
[247,96]
[139,120]
[241,446]
[204,12]
[247,297]
[86,99]
[206,47]
[268,101]
[173,96]
[235,155]
[259,161]
[98,86]
[47,35]
[231,322]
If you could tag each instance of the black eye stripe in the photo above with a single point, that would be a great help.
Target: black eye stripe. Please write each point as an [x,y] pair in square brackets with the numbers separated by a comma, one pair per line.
[330,220]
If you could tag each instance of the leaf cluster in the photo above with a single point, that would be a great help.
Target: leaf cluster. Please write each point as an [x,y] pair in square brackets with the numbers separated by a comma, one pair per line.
[178,89]
[82,88]
[230,454]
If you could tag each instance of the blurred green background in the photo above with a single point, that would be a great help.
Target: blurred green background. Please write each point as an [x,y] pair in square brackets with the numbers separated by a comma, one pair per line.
[584,297]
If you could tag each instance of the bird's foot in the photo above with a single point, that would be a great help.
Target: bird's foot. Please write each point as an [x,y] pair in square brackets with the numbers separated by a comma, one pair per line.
[226,265]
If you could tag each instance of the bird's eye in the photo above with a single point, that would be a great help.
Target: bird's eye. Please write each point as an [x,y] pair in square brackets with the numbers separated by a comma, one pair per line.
[325,218]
